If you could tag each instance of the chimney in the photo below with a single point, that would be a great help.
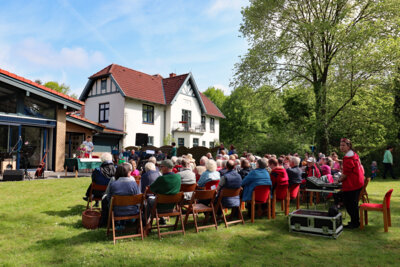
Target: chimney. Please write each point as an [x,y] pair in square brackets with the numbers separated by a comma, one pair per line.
[172,75]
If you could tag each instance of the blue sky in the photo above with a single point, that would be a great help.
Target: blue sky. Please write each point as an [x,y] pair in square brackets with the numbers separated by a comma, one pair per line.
[69,40]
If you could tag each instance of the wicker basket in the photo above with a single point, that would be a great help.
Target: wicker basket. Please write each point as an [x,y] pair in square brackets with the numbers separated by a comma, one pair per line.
[91,219]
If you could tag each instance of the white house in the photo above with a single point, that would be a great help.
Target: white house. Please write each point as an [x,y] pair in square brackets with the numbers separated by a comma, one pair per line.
[140,104]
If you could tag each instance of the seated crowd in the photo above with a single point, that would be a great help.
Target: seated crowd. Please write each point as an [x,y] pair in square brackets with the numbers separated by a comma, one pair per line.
[227,170]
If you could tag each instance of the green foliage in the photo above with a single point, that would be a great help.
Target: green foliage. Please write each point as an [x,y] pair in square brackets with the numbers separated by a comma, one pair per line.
[216,95]
[168,140]
[41,226]
[334,47]
[62,88]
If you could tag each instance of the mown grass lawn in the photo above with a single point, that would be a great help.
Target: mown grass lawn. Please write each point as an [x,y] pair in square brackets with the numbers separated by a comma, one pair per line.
[40,224]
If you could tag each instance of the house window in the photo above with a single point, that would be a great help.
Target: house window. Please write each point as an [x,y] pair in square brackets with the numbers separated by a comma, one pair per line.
[150,140]
[148,114]
[103,85]
[203,143]
[187,117]
[203,123]
[104,112]
[211,144]
[212,126]
[181,142]
[195,142]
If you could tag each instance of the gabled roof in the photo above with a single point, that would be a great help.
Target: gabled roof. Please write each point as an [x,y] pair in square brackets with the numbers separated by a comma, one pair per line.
[151,88]
[135,84]
[211,108]
[54,95]
[172,86]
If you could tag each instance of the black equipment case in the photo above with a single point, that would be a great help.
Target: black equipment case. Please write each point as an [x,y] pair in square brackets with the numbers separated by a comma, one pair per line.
[315,222]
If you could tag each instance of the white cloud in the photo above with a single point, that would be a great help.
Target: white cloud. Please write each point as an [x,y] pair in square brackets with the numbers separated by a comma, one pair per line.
[45,55]
[220,6]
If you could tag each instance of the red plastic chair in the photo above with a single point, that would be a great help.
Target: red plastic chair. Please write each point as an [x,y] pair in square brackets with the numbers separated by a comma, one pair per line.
[384,208]
[211,185]
[294,192]
[261,194]
[281,194]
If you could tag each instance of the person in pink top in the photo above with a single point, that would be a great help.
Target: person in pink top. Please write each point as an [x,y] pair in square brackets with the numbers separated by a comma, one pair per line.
[135,172]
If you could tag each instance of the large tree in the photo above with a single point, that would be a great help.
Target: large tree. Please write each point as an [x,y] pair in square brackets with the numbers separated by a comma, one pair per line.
[331,45]
[216,95]
[62,88]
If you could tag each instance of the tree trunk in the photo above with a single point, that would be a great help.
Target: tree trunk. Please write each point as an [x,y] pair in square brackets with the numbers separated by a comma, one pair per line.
[321,131]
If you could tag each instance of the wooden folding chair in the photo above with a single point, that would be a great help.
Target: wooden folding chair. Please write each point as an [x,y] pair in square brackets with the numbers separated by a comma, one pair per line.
[261,194]
[363,194]
[384,208]
[195,208]
[91,198]
[121,201]
[176,200]
[225,192]
[212,185]
[281,194]
[188,187]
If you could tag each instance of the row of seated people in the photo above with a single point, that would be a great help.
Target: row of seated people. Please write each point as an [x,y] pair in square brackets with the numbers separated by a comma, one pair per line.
[169,183]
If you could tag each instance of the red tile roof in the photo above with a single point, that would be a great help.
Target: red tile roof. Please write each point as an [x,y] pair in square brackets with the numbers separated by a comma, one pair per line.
[211,108]
[172,85]
[85,120]
[135,84]
[22,79]
[151,88]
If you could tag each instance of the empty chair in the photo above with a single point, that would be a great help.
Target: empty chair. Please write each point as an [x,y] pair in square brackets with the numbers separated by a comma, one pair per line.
[384,208]
[195,207]
[122,201]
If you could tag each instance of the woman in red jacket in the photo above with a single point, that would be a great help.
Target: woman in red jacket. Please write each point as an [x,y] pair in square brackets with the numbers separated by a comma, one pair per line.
[352,181]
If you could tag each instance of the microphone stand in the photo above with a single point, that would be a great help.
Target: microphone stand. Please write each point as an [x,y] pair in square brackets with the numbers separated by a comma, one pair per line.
[10,165]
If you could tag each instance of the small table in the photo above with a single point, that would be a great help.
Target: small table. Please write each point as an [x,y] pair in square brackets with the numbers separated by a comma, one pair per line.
[79,164]
[329,191]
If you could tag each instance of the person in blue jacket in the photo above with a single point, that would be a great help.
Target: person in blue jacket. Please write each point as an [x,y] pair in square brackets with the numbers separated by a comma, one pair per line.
[259,176]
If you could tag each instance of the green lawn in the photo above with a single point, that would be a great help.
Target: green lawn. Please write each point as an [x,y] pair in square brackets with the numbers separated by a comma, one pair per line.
[40,224]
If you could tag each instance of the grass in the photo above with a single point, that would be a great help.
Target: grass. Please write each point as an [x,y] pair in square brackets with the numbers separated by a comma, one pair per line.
[40,224]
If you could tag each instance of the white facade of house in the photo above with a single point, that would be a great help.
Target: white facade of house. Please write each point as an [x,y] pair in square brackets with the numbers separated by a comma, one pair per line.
[126,114]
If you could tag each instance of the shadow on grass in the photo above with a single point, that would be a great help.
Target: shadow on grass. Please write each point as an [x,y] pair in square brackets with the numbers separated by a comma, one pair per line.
[72,211]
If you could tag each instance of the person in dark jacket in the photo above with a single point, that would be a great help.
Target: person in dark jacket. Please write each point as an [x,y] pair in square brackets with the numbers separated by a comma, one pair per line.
[232,180]
[245,164]
[149,176]
[102,175]
[294,172]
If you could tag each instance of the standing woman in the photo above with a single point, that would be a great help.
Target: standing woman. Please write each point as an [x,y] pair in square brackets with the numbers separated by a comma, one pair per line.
[352,182]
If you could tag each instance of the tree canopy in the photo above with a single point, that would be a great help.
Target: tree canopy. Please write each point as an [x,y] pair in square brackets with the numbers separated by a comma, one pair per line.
[337,48]
[62,88]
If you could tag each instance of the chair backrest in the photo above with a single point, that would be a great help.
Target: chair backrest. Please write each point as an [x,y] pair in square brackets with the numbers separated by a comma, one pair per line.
[281,191]
[227,192]
[262,193]
[388,195]
[294,190]
[212,185]
[188,187]
[169,199]
[127,200]
[205,194]
[99,187]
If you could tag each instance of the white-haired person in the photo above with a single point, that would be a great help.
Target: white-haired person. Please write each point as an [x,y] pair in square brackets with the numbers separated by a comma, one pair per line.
[211,174]
[101,175]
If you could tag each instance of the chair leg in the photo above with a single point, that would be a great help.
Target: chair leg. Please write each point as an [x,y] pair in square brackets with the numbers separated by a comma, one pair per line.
[273,206]
[113,226]
[241,215]
[253,210]
[195,221]
[187,215]
[141,224]
[389,218]
[385,220]
[366,217]
[269,209]
[158,225]
[361,219]
[181,216]
[223,214]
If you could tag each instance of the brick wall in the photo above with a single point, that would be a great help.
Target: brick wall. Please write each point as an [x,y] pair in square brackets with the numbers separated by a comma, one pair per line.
[60,139]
